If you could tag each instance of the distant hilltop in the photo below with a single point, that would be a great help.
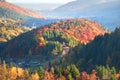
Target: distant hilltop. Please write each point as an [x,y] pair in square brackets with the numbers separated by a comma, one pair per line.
[7,8]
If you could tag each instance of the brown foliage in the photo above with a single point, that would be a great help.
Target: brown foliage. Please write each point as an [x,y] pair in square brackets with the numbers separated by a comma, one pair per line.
[35,76]
[117,76]
[14,73]
[49,76]
[86,76]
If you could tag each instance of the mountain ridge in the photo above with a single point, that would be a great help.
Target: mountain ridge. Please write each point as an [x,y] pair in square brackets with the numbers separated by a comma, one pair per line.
[79,5]
[20,10]
[100,11]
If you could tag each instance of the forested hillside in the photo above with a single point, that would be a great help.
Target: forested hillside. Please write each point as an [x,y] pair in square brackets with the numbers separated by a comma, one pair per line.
[50,39]
[10,29]
[35,47]
[70,49]
[70,72]
[27,17]
[103,50]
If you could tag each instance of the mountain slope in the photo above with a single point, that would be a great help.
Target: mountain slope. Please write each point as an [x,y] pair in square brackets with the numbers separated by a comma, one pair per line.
[76,5]
[103,50]
[13,8]
[10,28]
[83,5]
[48,40]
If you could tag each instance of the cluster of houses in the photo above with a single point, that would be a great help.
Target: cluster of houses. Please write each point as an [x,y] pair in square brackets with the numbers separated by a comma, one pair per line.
[28,63]
[66,49]
[25,63]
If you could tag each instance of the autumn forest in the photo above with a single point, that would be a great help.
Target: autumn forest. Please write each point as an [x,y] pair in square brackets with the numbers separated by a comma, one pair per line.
[35,47]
